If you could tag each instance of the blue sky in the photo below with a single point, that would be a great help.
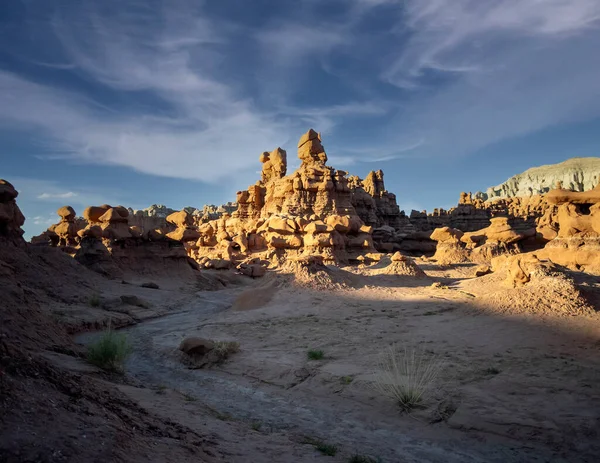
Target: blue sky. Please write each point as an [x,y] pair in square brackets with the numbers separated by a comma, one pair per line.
[137,102]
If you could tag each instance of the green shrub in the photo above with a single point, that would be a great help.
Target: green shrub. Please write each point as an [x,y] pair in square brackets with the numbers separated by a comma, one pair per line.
[189,397]
[361,459]
[324,448]
[110,351]
[347,379]
[256,425]
[315,354]
[94,300]
[327,449]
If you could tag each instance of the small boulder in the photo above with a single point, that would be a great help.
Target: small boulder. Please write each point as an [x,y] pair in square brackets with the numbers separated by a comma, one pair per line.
[252,270]
[134,300]
[150,285]
[398,257]
[196,346]
[482,270]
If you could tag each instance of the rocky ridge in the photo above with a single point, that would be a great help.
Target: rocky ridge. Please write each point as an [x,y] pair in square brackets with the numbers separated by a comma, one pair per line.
[319,212]
[576,174]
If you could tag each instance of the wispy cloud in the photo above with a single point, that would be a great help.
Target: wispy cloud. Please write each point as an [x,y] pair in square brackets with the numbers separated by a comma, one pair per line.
[324,118]
[482,72]
[200,124]
[44,221]
[47,193]
[67,195]
[289,43]
[164,88]
[460,35]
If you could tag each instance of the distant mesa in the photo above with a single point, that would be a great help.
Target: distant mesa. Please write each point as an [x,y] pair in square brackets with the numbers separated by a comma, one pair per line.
[575,174]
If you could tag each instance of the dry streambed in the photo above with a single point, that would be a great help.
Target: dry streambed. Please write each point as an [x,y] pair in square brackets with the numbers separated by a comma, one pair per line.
[496,400]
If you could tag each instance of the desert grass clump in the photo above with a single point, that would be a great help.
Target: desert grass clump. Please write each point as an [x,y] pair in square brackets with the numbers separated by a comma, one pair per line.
[223,349]
[110,351]
[361,459]
[326,449]
[256,425]
[94,300]
[347,379]
[315,354]
[406,376]
[189,397]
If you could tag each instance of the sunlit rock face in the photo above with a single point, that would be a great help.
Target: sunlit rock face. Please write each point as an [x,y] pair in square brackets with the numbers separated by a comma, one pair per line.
[576,174]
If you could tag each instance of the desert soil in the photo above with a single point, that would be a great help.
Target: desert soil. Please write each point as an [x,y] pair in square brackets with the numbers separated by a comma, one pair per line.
[515,386]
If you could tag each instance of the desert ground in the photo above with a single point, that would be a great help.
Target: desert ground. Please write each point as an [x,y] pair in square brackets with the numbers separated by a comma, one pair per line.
[514,386]
[315,322]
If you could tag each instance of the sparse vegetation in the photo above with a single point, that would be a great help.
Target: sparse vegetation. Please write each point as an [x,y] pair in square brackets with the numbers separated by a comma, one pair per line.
[438,285]
[161,389]
[94,300]
[326,449]
[223,349]
[406,375]
[315,354]
[110,351]
[223,416]
[256,425]
[361,459]
[347,379]
[188,397]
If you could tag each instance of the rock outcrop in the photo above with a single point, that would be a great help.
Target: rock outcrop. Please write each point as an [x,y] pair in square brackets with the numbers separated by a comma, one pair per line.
[11,218]
[397,264]
[450,249]
[497,239]
[155,216]
[576,174]
[309,212]
[64,234]
[577,218]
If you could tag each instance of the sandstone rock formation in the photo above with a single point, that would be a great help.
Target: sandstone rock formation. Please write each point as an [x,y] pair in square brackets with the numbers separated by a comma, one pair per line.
[64,234]
[185,231]
[308,212]
[274,165]
[577,217]
[450,249]
[576,174]
[11,218]
[311,272]
[397,264]
[155,216]
[499,238]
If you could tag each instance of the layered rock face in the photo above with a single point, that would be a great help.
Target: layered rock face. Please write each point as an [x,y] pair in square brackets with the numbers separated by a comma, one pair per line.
[521,198]
[576,174]
[375,205]
[577,219]
[156,215]
[562,226]
[309,212]
[11,218]
[315,211]
[105,241]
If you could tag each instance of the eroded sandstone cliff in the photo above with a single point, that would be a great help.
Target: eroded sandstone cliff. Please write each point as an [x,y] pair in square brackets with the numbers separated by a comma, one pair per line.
[576,174]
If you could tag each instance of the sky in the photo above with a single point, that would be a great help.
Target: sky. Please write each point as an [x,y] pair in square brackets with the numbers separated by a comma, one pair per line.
[137,102]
